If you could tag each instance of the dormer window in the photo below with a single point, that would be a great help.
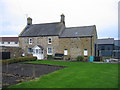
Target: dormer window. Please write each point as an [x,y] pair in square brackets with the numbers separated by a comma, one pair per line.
[49,40]
[30,41]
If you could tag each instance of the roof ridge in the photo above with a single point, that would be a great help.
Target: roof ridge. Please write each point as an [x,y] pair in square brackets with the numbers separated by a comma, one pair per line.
[47,23]
[79,26]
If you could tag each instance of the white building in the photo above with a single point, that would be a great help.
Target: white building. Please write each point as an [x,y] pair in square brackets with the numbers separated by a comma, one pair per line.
[9,41]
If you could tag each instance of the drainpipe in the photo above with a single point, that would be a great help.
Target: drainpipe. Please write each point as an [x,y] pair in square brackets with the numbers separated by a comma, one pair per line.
[91,45]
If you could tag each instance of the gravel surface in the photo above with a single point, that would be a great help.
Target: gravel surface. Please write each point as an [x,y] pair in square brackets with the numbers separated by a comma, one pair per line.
[19,72]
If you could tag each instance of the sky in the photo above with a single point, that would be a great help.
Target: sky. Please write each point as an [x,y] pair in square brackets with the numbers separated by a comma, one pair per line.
[102,13]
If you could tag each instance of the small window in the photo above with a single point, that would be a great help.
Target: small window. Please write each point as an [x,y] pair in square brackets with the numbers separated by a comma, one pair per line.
[49,51]
[85,52]
[8,42]
[65,52]
[30,40]
[108,48]
[102,48]
[16,42]
[2,42]
[49,40]
[30,50]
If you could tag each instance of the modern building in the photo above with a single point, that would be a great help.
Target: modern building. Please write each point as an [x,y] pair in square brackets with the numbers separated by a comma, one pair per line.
[108,47]
[116,51]
[9,41]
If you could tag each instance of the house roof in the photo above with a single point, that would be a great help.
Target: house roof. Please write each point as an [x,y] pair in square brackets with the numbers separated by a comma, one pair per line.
[8,38]
[47,29]
[78,31]
[40,46]
[105,41]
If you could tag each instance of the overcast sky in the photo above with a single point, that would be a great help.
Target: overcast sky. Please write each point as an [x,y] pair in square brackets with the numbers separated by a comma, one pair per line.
[102,13]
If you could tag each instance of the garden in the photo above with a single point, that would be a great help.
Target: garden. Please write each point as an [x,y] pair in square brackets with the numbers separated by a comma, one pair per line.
[70,75]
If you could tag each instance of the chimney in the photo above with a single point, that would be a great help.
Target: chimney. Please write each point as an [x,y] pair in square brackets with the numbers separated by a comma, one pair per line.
[63,18]
[29,21]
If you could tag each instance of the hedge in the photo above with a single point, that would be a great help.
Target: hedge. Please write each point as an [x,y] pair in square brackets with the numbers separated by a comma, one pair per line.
[19,59]
[80,58]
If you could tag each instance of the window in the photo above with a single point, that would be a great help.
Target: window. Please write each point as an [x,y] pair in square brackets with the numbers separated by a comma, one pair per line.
[49,51]
[85,52]
[16,42]
[65,52]
[30,40]
[102,48]
[30,50]
[108,48]
[2,42]
[8,42]
[49,40]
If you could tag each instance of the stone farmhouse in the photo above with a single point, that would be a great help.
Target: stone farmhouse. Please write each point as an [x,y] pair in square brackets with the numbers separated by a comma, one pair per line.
[46,39]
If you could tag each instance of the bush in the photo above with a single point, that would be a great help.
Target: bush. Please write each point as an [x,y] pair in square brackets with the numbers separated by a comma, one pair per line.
[80,58]
[19,59]
[50,57]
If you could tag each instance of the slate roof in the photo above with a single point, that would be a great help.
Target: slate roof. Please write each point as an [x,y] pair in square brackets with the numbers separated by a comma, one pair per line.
[47,29]
[56,29]
[40,46]
[105,41]
[78,31]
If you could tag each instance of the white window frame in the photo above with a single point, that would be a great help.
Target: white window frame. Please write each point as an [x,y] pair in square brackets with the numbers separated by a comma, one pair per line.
[48,51]
[30,40]
[85,52]
[49,40]
[65,52]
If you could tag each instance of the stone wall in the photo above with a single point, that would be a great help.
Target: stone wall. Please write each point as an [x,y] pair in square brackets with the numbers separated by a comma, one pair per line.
[75,46]
[14,51]
[43,41]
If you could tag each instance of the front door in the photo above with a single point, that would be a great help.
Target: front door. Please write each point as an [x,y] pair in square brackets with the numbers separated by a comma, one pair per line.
[38,52]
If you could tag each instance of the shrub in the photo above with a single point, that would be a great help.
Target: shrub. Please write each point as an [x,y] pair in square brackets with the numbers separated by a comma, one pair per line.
[19,59]
[80,58]
[50,57]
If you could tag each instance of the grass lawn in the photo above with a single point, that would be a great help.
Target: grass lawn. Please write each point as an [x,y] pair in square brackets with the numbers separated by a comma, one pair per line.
[76,75]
